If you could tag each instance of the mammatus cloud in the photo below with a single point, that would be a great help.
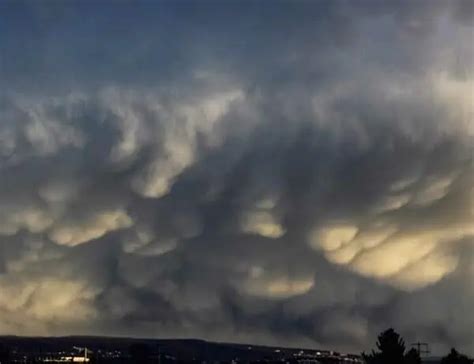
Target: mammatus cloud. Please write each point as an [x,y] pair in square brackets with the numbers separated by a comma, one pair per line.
[94,227]
[303,177]
[262,222]
[179,141]
[45,302]
[34,220]
[406,256]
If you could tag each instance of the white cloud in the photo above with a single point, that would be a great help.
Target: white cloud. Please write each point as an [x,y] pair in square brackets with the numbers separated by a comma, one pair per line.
[32,219]
[94,227]
[406,259]
[263,223]
[180,129]
[392,202]
[44,301]
[332,237]
[427,270]
[276,286]
[46,133]
[433,191]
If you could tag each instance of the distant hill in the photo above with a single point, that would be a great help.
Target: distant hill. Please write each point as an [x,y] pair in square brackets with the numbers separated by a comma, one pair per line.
[184,349]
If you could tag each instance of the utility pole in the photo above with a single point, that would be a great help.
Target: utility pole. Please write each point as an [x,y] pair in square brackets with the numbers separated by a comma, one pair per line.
[422,348]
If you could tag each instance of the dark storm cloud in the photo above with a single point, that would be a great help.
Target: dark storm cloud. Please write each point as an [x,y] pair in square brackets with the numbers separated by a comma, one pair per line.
[299,172]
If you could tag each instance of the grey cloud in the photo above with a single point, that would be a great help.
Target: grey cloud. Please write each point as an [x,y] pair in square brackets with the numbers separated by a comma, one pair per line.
[301,174]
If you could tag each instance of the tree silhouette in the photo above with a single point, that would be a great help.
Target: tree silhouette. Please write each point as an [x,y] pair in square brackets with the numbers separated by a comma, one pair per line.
[412,357]
[455,358]
[391,350]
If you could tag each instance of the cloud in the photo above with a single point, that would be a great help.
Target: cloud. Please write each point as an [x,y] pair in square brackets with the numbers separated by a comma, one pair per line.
[177,126]
[405,255]
[41,303]
[265,284]
[94,227]
[32,219]
[300,175]
[433,191]
[262,223]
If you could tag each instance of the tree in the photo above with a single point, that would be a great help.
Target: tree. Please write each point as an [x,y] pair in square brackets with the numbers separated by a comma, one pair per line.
[391,349]
[412,357]
[455,358]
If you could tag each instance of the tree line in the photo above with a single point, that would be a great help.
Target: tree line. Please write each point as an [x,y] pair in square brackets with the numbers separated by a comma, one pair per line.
[391,350]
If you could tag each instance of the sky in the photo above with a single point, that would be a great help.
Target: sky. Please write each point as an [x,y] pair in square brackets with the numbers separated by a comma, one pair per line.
[275,172]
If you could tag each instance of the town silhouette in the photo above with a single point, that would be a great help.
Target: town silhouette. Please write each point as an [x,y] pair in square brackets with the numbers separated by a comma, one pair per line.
[390,348]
